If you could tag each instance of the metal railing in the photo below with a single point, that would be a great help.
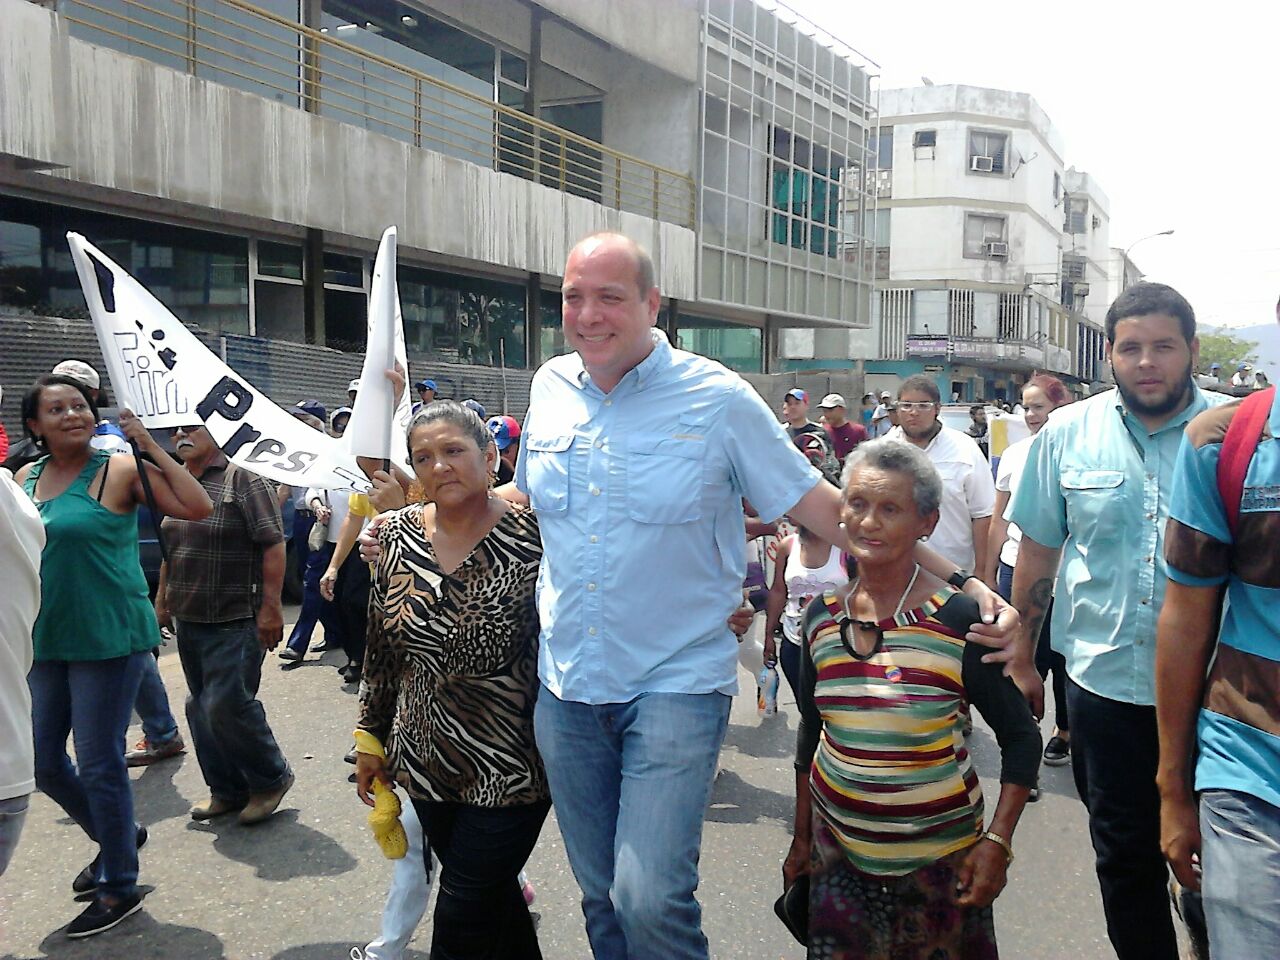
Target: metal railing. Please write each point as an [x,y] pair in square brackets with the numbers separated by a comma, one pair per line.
[244,46]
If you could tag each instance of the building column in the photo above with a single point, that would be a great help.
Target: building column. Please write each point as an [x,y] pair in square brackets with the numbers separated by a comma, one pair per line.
[313,287]
[533,320]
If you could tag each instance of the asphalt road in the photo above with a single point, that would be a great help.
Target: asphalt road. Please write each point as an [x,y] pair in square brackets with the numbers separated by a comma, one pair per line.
[309,884]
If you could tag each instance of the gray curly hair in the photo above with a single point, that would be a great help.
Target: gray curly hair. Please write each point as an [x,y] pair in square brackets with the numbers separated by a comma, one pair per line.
[898,456]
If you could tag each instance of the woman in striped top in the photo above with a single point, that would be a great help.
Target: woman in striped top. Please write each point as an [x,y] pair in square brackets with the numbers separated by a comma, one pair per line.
[889,811]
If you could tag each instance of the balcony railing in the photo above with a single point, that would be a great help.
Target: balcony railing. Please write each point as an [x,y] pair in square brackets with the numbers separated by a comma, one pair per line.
[240,45]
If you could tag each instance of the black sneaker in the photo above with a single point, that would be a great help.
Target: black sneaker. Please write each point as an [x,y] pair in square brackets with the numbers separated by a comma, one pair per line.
[1034,795]
[100,916]
[86,880]
[1057,752]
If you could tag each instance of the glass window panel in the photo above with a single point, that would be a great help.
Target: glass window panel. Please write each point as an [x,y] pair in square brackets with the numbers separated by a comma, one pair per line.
[463,319]
[514,68]
[203,278]
[343,270]
[279,260]
[738,348]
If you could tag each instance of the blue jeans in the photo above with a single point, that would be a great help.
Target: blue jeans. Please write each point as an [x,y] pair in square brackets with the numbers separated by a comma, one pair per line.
[152,704]
[92,700]
[234,745]
[631,782]
[410,890]
[1240,887]
[315,608]
[13,814]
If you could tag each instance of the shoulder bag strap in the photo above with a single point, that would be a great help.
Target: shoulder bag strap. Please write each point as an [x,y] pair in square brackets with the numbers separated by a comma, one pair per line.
[1243,436]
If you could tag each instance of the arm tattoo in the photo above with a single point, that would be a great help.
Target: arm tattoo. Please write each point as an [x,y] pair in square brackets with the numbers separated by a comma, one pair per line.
[1039,596]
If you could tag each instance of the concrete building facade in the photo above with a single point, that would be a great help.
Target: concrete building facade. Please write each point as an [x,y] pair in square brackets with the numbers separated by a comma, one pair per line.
[242,159]
[984,244]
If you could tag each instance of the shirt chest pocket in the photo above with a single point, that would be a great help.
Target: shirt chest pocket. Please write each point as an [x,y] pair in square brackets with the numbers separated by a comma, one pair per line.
[547,471]
[1095,503]
[664,478]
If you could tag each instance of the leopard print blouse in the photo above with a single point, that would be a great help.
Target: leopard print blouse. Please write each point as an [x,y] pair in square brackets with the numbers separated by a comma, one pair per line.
[450,670]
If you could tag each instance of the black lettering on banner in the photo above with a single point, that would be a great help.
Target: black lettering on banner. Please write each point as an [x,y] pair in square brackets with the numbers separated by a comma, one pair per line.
[106,283]
[267,448]
[300,460]
[229,400]
[245,434]
[168,357]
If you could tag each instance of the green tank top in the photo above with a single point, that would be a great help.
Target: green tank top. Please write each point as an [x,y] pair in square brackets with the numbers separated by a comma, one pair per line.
[93,595]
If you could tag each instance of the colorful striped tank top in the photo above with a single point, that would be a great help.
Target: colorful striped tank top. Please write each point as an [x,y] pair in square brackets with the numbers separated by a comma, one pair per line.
[892,775]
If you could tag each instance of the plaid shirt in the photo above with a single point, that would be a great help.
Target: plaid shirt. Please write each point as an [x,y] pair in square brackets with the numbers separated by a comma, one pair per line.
[214,574]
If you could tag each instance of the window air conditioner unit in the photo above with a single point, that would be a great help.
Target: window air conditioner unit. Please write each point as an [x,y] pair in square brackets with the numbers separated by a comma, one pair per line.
[982,164]
[1080,289]
[997,248]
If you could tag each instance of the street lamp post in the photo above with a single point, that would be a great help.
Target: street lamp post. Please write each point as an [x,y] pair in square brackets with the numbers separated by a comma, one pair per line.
[1124,257]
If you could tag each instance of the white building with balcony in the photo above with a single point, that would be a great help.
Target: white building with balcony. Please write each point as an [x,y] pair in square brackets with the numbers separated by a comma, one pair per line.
[242,157]
[978,221]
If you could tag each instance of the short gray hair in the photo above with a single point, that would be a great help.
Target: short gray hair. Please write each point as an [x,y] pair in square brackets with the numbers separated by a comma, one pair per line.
[455,414]
[898,456]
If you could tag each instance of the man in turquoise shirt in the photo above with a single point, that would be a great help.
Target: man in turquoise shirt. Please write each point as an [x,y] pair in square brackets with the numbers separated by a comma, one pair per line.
[1092,507]
[1224,723]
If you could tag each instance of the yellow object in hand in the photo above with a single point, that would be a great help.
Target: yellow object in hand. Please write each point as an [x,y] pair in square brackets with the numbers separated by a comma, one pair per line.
[384,818]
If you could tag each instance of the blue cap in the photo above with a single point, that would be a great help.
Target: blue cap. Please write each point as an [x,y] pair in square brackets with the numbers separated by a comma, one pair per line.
[425,385]
[505,430]
[796,393]
[477,407]
[313,407]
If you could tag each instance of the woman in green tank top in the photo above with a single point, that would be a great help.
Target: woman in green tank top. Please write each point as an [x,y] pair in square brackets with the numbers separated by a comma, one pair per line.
[95,624]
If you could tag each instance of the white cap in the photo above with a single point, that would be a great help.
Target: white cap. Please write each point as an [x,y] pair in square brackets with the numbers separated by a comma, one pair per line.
[79,370]
[831,400]
[353,385]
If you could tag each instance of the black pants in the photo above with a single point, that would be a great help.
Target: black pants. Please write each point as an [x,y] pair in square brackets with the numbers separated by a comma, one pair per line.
[351,594]
[480,909]
[1114,750]
[1046,659]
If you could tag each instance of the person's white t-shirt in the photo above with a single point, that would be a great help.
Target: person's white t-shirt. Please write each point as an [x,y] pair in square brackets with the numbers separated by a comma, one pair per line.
[880,423]
[21,542]
[1008,474]
[339,503]
[968,493]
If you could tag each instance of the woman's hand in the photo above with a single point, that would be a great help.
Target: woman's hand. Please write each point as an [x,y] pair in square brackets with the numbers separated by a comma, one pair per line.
[370,548]
[387,494]
[797,863]
[982,874]
[770,651]
[327,583]
[368,769]
[138,434]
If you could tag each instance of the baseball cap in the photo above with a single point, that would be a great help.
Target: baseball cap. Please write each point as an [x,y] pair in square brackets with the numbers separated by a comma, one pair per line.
[796,393]
[425,385]
[314,407]
[886,395]
[477,407]
[353,385]
[505,431]
[1243,366]
[1215,366]
[340,412]
[831,400]
[79,370]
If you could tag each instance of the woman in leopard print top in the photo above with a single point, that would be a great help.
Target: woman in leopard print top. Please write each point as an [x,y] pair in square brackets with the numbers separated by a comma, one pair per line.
[450,681]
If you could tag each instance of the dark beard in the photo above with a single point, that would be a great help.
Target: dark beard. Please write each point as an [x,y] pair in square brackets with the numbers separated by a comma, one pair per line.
[1167,406]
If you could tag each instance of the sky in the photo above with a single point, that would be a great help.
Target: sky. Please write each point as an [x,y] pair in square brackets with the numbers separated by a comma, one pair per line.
[1173,108]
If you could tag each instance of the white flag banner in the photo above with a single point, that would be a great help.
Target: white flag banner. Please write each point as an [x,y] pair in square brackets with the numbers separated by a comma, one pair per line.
[379,421]
[168,378]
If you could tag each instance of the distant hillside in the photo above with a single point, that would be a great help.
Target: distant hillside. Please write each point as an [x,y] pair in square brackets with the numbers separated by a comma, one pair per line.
[1267,336]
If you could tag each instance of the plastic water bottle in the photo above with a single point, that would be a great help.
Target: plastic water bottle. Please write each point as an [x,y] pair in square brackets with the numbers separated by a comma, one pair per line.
[767,691]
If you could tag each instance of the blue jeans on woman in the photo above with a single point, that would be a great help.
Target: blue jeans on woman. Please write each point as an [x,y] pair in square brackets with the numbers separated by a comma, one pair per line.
[91,700]
[631,783]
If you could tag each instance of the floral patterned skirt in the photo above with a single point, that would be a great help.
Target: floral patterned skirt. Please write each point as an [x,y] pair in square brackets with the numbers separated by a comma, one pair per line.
[857,916]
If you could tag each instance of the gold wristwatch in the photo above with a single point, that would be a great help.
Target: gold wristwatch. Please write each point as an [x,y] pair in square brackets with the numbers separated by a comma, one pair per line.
[1004,844]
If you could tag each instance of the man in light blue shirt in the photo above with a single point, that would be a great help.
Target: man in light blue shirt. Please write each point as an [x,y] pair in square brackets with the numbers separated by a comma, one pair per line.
[636,458]
[1092,507]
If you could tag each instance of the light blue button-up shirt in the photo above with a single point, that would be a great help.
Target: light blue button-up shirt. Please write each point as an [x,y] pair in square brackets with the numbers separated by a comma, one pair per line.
[638,494]
[1097,483]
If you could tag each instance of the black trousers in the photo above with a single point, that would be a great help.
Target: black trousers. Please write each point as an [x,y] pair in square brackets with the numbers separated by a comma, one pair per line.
[1114,751]
[351,594]
[480,909]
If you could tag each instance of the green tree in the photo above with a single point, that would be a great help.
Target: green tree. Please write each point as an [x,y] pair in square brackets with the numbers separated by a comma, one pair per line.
[1224,349]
